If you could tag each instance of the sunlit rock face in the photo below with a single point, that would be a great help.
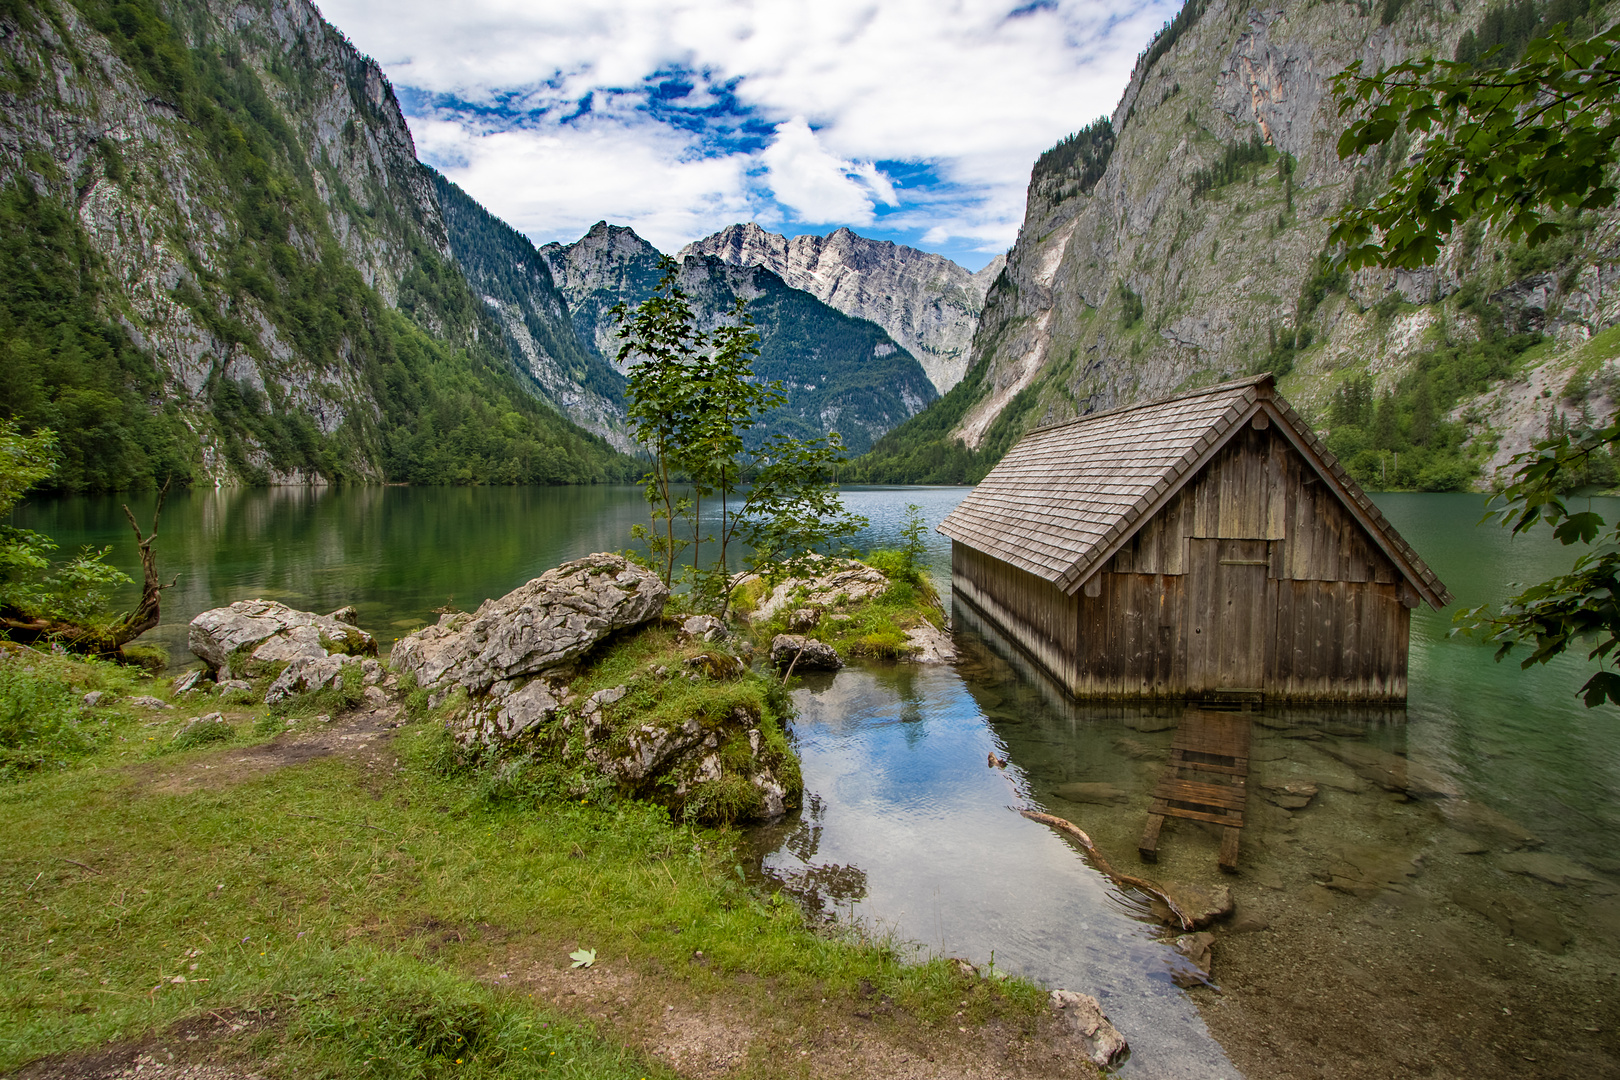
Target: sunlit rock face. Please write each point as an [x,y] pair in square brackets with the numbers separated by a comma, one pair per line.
[926,302]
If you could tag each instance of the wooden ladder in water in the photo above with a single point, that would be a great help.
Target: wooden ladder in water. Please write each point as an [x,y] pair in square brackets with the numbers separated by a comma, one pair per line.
[1206,780]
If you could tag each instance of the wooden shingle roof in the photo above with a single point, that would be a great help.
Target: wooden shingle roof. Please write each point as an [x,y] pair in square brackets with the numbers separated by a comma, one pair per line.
[1069,496]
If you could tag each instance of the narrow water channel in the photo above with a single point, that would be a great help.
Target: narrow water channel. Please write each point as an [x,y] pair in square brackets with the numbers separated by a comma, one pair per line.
[1445,903]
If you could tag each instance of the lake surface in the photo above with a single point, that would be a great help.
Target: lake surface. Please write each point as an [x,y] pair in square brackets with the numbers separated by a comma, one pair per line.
[1462,924]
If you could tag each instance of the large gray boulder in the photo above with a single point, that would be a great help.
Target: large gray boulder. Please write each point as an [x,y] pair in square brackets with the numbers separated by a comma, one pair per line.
[551,620]
[254,637]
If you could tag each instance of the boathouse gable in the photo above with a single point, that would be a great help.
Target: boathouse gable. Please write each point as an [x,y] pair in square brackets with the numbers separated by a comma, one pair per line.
[1202,546]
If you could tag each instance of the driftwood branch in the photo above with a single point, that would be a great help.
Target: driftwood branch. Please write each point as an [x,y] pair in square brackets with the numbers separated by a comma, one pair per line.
[146,613]
[1078,834]
[106,640]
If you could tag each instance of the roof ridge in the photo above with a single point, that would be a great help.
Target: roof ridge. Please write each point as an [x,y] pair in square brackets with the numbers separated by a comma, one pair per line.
[1235,384]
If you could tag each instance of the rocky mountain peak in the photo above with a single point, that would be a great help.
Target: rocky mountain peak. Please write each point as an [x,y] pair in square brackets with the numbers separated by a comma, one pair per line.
[926,302]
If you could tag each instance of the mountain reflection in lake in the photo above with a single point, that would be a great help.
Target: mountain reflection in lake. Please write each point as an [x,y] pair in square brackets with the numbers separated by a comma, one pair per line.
[1429,891]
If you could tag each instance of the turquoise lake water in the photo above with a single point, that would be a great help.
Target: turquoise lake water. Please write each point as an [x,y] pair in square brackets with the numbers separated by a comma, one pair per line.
[1464,925]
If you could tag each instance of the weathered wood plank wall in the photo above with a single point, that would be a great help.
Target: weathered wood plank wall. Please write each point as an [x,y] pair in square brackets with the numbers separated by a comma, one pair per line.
[1254,578]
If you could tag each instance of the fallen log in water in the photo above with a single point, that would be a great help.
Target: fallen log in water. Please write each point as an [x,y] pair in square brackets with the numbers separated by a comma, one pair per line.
[1075,832]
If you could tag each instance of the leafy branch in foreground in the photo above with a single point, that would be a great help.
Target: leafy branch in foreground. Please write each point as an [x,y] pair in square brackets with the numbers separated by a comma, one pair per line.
[1583,604]
[1514,146]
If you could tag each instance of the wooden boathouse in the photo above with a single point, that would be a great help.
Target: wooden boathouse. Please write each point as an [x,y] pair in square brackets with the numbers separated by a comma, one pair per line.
[1205,547]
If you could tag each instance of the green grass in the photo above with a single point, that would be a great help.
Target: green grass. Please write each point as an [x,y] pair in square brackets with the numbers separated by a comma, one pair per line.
[876,628]
[355,902]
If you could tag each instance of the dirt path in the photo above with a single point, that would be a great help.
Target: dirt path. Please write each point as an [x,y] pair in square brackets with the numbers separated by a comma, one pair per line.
[715,1033]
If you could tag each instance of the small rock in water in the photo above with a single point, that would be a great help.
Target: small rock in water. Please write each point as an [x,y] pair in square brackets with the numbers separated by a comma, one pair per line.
[1199,948]
[1490,826]
[1087,1022]
[1517,917]
[1293,795]
[1549,867]
[804,654]
[1247,923]
[1139,750]
[1202,906]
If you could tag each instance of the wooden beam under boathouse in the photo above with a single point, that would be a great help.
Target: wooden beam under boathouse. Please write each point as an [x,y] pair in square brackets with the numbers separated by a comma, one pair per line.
[1205,547]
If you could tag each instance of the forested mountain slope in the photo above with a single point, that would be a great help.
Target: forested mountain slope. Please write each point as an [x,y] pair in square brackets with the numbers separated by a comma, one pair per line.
[1182,241]
[224,264]
[926,302]
[504,267]
[841,373]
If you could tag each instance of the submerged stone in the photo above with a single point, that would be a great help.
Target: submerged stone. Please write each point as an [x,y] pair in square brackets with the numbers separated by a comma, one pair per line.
[1097,793]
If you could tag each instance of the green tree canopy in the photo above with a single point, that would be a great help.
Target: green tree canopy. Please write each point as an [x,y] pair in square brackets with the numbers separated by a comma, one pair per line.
[1513,146]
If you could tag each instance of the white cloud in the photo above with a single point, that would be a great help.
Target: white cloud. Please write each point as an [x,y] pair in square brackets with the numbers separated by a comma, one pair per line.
[965,87]
[817,186]
[554,183]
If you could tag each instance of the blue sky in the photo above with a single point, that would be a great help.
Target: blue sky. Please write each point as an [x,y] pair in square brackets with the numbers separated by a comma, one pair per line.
[914,121]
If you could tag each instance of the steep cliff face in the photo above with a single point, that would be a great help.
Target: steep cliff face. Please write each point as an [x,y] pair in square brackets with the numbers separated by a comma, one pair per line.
[926,302]
[514,280]
[265,278]
[840,373]
[609,265]
[1197,254]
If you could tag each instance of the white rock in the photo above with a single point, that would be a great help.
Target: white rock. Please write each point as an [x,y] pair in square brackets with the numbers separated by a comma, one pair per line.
[834,580]
[146,701]
[306,675]
[1087,1022]
[549,621]
[249,635]
[703,628]
[93,698]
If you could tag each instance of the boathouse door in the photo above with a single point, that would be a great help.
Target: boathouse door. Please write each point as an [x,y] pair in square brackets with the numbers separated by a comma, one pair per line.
[1226,615]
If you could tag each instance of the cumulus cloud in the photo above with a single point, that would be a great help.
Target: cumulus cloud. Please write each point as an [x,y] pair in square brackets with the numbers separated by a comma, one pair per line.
[800,102]
[820,187]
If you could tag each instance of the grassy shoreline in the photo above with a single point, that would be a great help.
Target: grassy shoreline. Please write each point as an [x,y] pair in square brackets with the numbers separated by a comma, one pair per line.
[340,888]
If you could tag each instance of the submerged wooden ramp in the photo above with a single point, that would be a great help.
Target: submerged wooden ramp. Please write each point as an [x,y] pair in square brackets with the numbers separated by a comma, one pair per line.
[1206,780]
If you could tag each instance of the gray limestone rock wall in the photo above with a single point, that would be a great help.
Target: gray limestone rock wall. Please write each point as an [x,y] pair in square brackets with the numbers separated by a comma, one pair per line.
[928,303]
[1219,273]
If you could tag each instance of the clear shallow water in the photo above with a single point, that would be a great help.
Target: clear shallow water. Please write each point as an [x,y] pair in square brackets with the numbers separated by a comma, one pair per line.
[1409,935]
